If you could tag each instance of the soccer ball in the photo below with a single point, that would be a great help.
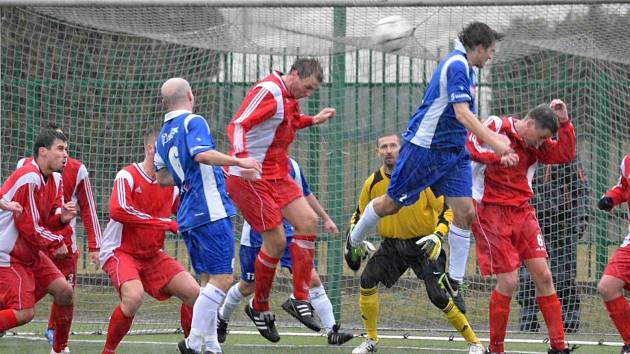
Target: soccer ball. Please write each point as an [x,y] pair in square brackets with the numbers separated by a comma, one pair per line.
[392,33]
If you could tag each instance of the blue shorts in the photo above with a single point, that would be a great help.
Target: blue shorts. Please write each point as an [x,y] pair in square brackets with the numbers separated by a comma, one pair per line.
[447,171]
[211,247]
[247,257]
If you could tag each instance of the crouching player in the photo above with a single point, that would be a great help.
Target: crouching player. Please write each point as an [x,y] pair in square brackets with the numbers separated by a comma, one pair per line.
[412,239]
[26,237]
[506,229]
[132,246]
[250,244]
[617,273]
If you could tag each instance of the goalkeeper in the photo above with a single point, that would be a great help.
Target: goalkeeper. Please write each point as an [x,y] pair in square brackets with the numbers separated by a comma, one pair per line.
[412,239]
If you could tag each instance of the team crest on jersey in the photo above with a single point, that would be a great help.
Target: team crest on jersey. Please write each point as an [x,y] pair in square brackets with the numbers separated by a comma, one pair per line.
[168,137]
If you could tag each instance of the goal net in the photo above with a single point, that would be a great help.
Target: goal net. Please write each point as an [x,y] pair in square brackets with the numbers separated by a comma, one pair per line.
[96,71]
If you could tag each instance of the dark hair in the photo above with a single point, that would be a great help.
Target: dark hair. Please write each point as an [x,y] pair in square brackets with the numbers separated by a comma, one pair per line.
[307,67]
[478,33]
[386,135]
[545,118]
[46,138]
[54,126]
[150,134]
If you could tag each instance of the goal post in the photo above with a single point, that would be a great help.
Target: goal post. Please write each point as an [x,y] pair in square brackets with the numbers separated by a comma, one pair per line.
[96,71]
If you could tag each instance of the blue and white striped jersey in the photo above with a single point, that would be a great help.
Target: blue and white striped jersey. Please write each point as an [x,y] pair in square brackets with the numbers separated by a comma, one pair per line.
[434,124]
[251,238]
[203,197]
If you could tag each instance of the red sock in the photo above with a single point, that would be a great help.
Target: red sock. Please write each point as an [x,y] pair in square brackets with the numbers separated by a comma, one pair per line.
[552,312]
[62,323]
[7,319]
[185,313]
[499,314]
[51,319]
[619,312]
[302,250]
[119,325]
[264,273]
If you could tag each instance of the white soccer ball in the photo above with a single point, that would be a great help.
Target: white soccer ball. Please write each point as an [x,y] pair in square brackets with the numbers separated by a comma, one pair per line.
[392,33]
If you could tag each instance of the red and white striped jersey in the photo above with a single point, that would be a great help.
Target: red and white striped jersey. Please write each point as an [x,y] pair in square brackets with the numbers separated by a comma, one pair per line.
[512,186]
[620,192]
[77,188]
[265,125]
[138,210]
[39,226]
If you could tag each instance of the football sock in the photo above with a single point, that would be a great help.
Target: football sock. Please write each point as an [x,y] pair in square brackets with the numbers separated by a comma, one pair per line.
[232,299]
[264,272]
[619,312]
[552,312]
[62,324]
[458,320]
[7,319]
[459,244]
[368,303]
[499,314]
[51,318]
[185,318]
[119,325]
[204,320]
[368,221]
[302,249]
[323,307]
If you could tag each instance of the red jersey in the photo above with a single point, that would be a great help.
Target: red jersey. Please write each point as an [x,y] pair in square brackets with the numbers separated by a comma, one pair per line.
[512,186]
[265,125]
[620,192]
[77,188]
[138,210]
[39,226]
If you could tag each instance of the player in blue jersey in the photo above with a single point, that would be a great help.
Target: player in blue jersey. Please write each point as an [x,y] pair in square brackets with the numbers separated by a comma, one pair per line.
[433,153]
[186,157]
[250,244]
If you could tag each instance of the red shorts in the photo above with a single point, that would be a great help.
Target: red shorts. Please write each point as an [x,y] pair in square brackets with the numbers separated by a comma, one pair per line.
[154,272]
[22,286]
[261,201]
[68,267]
[619,266]
[505,237]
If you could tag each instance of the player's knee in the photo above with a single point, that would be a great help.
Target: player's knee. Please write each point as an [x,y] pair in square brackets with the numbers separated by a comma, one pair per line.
[308,224]
[190,292]
[24,316]
[385,206]
[368,280]
[131,300]
[222,281]
[64,295]
[464,218]
[507,285]
[438,297]
[543,280]
[608,291]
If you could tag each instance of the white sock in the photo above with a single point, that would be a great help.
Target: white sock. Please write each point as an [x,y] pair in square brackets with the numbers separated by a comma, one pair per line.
[367,222]
[232,300]
[204,320]
[459,244]
[323,307]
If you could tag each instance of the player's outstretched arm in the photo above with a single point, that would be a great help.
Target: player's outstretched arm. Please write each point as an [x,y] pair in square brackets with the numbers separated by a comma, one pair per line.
[470,122]
[329,225]
[324,115]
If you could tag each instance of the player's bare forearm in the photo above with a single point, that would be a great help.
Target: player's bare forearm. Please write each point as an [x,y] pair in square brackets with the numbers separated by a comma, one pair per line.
[164,178]
[470,122]
[213,157]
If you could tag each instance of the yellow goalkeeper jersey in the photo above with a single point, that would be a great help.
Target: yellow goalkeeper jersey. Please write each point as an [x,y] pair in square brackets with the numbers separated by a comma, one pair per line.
[427,215]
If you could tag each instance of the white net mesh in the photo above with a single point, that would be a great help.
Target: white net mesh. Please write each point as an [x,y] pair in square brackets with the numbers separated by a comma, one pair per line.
[97,72]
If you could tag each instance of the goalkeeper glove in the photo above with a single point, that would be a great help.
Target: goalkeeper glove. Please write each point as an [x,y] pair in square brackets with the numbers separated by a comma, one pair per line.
[606,203]
[431,245]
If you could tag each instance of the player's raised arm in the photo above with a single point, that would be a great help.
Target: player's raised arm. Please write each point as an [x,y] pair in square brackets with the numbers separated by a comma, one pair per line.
[562,150]
[470,122]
